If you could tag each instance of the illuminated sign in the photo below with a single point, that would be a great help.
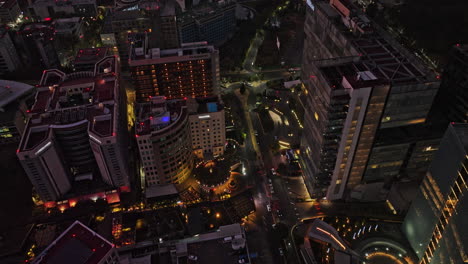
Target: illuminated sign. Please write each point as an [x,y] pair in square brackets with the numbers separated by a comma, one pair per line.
[43,148]
[204,116]
[309,3]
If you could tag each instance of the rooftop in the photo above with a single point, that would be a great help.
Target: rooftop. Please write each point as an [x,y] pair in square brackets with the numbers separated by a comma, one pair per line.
[161,190]
[71,100]
[77,245]
[160,114]
[90,55]
[141,51]
[11,90]
[204,105]
[377,51]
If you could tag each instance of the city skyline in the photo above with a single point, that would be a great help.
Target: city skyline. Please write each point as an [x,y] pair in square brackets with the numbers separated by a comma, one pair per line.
[265,131]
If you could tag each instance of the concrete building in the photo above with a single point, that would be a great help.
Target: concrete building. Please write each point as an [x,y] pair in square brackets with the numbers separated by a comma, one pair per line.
[207,127]
[80,245]
[189,71]
[86,59]
[46,9]
[9,11]
[344,51]
[124,25]
[36,45]
[9,59]
[13,110]
[436,221]
[214,23]
[164,141]
[75,141]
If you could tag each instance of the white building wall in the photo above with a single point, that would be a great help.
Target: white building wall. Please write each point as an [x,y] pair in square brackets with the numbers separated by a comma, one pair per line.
[208,133]
[349,140]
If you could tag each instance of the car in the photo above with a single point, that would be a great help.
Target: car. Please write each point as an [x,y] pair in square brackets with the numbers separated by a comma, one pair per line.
[281,252]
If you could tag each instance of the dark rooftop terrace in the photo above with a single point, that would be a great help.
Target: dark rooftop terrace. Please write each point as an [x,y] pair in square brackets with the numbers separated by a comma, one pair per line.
[77,245]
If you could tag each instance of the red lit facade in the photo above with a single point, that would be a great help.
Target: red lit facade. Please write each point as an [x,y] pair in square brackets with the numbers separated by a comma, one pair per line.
[191,71]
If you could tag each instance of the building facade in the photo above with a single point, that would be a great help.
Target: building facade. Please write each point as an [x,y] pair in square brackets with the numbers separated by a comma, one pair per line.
[9,59]
[164,141]
[46,9]
[9,11]
[126,22]
[36,45]
[435,224]
[13,110]
[75,139]
[190,71]
[213,24]
[207,127]
[342,45]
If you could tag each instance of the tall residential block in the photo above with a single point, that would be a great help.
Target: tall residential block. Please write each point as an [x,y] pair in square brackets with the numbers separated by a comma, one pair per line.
[75,139]
[189,71]
[435,224]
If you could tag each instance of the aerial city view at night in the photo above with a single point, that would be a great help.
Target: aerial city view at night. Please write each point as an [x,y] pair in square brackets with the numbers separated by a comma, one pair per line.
[234,131]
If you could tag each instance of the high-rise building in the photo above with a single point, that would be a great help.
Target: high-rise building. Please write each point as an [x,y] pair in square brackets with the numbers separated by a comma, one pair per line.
[358,81]
[9,11]
[80,245]
[36,43]
[9,59]
[75,139]
[207,127]
[164,141]
[189,71]
[13,109]
[436,221]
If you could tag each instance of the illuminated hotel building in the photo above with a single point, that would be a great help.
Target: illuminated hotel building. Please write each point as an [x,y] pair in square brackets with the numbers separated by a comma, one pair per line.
[436,221]
[189,71]
[164,141]
[207,127]
[75,139]
[341,143]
